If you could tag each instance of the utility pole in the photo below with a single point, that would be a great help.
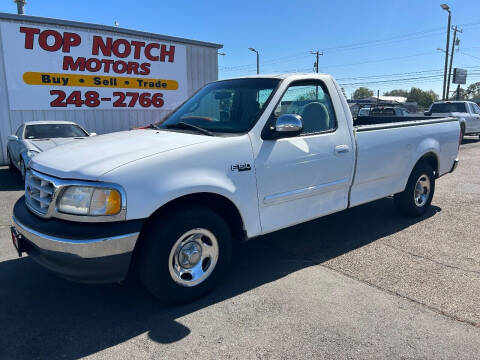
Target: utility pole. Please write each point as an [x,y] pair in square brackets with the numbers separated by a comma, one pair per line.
[455,29]
[317,53]
[446,8]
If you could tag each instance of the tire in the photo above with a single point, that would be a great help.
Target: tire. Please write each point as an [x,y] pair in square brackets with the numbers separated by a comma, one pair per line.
[11,167]
[462,133]
[177,238]
[23,169]
[415,200]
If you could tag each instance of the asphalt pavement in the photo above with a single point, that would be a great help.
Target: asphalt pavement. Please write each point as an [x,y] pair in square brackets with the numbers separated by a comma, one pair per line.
[363,283]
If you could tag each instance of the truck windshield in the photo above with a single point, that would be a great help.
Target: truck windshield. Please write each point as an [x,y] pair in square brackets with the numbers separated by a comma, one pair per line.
[230,106]
[448,108]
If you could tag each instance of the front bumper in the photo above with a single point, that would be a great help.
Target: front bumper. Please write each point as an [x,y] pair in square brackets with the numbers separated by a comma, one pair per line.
[454,166]
[83,252]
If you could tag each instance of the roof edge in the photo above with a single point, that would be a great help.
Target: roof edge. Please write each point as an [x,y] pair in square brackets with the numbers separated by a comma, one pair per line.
[118,30]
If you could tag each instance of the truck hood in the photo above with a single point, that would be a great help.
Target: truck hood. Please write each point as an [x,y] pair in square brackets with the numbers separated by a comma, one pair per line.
[46,144]
[89,159]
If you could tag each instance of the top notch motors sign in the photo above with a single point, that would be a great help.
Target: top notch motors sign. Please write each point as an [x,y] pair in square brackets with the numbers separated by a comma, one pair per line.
[51,69]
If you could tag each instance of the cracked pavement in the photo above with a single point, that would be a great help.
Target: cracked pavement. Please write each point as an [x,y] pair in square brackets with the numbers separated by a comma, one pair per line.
[363,283]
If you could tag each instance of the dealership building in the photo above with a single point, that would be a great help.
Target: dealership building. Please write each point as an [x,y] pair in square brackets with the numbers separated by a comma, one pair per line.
[104,78]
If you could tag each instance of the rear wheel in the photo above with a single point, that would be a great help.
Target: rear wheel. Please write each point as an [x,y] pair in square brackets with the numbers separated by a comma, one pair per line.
[462,133]
[185,254]
[418,194]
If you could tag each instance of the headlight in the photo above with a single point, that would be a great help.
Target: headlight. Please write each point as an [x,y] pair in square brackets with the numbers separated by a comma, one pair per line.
[32,153]
[83,200]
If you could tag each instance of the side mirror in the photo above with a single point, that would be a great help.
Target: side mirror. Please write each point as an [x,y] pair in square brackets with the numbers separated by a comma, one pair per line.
[93,134]
[12,137]
[288,125]
[427,113]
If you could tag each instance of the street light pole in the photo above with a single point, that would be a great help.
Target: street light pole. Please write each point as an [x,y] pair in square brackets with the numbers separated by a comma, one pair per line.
[455,29]
[258,59]
[446,8]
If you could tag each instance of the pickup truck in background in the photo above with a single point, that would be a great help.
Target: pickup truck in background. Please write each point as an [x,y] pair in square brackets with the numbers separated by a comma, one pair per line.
[383,111]
[467,112]
[241,158]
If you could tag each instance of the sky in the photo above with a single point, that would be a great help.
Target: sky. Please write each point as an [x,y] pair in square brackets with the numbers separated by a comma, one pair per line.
[382,45]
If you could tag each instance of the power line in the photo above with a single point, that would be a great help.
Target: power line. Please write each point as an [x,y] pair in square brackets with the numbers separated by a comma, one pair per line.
[352,46]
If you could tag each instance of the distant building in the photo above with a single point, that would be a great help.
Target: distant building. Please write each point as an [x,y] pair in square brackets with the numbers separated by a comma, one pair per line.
[392,99]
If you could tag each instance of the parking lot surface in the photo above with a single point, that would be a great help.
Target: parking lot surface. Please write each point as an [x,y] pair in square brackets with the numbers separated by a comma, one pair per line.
[363,283]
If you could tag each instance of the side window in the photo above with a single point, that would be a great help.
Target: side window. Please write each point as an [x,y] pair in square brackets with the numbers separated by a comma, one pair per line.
[476,109]
[312,103]
[19,131]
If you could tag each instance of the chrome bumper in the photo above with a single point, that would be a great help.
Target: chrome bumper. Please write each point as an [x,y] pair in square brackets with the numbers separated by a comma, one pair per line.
[454,166]
[86,249]
[77,255]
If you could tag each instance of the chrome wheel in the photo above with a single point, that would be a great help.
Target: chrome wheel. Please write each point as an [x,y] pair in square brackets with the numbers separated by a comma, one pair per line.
[422,190]
[193,257]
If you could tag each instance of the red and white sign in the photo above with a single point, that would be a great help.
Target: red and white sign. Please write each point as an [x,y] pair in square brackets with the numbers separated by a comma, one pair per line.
[55,68]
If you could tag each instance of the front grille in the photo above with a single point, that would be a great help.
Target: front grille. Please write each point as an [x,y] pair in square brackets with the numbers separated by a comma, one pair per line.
[39,192]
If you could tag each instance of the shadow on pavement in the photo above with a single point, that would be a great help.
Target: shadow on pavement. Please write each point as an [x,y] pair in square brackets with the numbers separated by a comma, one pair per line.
[10,180]
[470,140]
[42,316]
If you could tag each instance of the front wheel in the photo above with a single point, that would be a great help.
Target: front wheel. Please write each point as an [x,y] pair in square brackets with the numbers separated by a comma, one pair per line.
[418,194]
[185,254]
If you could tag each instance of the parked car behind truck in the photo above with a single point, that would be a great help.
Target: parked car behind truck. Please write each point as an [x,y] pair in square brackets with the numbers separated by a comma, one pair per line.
[241,158]
[34,137]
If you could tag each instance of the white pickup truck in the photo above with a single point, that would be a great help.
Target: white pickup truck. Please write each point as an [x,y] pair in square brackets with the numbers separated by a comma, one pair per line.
[467,113]
[241,158]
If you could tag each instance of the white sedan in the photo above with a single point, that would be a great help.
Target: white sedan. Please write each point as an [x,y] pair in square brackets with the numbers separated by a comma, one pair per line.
[37,136]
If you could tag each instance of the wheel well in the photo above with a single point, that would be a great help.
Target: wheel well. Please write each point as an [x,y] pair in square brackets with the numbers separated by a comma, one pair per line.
[432,160]
[218,203]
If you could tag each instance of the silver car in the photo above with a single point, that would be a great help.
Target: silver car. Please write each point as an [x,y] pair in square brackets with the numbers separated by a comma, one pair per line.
[37,136]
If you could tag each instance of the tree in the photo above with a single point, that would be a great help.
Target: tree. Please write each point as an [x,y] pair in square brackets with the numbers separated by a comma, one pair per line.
[397,92]
[473,90]
[423,98]
[362,93]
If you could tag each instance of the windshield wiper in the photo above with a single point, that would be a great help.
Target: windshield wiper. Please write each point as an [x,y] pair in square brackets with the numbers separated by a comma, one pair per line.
[184,125]
[153,126]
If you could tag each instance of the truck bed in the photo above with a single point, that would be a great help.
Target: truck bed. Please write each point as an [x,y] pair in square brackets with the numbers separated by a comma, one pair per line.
[386,153]
[371,120]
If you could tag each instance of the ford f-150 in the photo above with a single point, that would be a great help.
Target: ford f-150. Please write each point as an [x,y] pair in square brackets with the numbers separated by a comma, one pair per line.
[241,158]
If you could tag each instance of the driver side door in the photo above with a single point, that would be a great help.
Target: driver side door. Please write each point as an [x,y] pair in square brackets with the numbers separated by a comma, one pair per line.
[307,176]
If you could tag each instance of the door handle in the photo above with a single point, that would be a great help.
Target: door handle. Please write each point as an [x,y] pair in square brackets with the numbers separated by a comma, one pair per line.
[340,149]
